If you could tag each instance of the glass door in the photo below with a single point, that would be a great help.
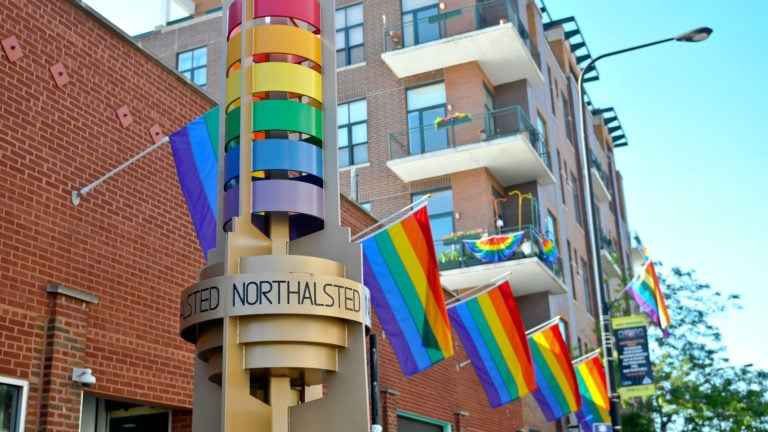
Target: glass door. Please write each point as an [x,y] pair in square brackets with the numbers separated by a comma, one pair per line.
[425,105]
[417,26]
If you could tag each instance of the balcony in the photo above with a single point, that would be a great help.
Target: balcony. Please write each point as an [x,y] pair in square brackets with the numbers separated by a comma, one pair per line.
[600,181]
[489,33]
[531,270]
[503,141]
[609,257]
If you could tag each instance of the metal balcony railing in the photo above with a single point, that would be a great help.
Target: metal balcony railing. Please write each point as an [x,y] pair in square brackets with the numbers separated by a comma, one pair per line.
[452,253]
[597,166]
[491,125]
[443,24]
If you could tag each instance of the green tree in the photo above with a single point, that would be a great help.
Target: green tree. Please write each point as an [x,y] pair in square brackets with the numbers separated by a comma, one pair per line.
[697,387]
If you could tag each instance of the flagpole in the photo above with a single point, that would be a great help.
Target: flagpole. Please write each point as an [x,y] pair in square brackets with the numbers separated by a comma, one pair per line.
[390,217]
[485,286]
[542,326]
[586,357]
[77,194]
[637,277]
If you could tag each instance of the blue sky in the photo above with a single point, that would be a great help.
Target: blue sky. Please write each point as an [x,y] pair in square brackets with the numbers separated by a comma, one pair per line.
[695,168]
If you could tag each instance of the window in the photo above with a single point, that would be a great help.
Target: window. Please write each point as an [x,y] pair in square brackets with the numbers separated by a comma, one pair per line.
[353,133]
[498,203]
[552,90]
[13,404]
[366,205]
[576,199]
[541,125]
[349,35]
[568,120]
[440,209]
[563,171]
[490,124]
[193,65]
[551,230]
[425,105]
[109,415]
[417,27]
[572,267]
[585,281]
[565,330]
[407,422]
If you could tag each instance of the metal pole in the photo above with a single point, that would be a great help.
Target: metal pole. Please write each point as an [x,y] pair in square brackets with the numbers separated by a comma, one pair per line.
[76,195]
[597,269]
[695,35]
[374,352]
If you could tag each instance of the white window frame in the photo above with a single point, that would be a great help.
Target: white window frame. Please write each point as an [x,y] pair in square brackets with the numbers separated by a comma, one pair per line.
[22,404]
[446,426]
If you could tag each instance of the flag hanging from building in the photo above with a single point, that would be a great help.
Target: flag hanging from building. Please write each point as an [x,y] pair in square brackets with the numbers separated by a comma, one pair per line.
[595,404]
[495,248]
[557,391]
[646,291]
[492,332]
[195,152]
[548,249]
[400,269]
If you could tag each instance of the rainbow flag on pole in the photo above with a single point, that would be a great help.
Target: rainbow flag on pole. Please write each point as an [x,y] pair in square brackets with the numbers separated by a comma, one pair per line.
[595,404]
[400,269]
[195,152]
[557,391]
[491,331]
[646,291]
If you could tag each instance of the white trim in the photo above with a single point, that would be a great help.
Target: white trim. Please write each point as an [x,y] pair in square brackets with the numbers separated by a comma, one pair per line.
[22,399]
[349,167]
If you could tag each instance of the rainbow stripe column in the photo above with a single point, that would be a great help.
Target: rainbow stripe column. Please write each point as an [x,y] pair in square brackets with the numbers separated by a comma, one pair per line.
[286,115]
[278,316]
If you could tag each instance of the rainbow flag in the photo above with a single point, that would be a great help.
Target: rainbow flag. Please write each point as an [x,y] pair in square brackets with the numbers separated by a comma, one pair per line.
[644,251]
[557,391]
[400,269]
[548,249]
[495,248]
[491,331]
[196,155]
[595,404]
[646,291]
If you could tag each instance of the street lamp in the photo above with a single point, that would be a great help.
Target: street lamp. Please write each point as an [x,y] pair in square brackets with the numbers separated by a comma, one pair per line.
[696,35]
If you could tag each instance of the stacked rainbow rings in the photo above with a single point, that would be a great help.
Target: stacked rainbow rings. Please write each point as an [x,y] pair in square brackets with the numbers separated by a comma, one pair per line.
[287,118]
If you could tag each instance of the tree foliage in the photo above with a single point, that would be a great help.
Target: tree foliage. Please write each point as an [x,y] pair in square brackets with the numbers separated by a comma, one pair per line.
[698,389]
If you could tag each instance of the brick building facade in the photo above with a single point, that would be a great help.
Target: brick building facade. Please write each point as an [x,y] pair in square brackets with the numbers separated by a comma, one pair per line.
[96,285]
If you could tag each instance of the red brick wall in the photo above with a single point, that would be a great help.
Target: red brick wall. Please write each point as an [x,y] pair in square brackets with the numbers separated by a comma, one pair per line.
[440,391]
[130,242]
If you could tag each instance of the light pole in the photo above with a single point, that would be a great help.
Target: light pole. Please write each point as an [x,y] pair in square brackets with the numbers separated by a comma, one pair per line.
[696,35]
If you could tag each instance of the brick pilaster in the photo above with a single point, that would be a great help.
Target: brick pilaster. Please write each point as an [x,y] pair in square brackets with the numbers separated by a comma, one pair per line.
[64,349]
[389,409]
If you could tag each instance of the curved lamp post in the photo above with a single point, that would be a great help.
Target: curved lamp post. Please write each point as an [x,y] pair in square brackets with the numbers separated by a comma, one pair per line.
[696,35]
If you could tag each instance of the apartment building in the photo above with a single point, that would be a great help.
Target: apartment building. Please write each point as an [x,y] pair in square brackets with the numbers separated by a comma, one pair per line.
[474,103]
[503,74]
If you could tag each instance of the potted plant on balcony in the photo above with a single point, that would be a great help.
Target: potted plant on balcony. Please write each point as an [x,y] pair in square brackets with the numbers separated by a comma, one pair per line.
[449,258]
[452,119]
[457,237]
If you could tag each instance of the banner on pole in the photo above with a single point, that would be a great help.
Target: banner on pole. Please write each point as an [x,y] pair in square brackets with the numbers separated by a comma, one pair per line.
[635,372]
